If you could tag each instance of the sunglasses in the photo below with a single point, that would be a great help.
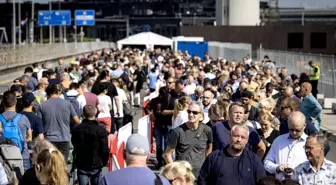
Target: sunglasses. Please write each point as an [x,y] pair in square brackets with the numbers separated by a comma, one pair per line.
[170,82]
[194,112]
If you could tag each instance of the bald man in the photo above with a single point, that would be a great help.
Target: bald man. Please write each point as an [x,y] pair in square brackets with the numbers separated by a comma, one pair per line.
[287,151]
[309,106]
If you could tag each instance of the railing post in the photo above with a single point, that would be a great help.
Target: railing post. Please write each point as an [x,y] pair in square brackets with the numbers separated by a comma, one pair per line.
[333,75]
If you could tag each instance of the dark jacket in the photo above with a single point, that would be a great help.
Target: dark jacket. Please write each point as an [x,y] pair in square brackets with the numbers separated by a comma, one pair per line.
[221,168]
[90,141]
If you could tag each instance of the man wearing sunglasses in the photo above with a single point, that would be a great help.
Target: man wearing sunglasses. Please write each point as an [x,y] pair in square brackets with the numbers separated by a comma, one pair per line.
[287,151]
[191,141]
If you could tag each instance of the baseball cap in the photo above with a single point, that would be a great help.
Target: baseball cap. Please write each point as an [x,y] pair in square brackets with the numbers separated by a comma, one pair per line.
[137,145]
[28,97]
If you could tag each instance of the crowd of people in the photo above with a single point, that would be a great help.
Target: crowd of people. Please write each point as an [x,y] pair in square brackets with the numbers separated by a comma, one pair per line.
[215,121]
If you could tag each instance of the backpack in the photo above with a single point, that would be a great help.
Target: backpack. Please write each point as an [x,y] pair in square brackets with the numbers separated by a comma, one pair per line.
[74,103]
[12,131]
[12,162]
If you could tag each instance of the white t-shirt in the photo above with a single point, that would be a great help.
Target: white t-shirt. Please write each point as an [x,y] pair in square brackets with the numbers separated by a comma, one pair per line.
[190,89]
[181,118]
[122,97]
[104,102]
[206,115]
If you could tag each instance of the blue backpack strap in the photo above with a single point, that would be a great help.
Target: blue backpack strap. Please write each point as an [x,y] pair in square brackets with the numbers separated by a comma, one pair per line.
[3,120]
[17,118]
[15,121]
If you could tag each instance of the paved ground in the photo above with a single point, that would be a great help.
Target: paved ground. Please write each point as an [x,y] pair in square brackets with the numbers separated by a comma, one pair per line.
[328,124]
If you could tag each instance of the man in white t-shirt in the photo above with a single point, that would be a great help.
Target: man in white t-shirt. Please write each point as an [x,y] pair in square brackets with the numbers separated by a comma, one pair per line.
[190,87]
[118,118]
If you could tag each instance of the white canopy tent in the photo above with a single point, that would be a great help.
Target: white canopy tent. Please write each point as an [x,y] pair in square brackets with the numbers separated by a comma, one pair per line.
[149,39]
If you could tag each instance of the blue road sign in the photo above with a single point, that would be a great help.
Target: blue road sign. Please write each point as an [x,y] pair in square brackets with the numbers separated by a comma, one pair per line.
[54,18]
[84,17]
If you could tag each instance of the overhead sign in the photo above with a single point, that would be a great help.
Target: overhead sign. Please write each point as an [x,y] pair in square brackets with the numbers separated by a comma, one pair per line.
[54,18]
[84,17]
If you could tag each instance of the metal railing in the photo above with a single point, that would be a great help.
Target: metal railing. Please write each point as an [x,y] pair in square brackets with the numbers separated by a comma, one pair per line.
[229,51]
[297,63]
[29,54]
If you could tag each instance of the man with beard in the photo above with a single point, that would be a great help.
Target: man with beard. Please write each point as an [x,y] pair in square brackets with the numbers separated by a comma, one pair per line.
[221,131]
[233,164]
[207,101]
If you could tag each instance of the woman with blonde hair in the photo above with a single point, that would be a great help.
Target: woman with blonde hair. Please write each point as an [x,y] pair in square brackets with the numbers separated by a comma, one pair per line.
[266,107]
[29,177]
[180,114]
[268,133]
[179,173]
[50,167]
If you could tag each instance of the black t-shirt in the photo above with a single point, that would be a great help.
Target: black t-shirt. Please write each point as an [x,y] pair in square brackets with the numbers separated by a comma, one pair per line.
[19,104]
[254,114]
[29,178]
[155,105]
[35,123]
[54,81]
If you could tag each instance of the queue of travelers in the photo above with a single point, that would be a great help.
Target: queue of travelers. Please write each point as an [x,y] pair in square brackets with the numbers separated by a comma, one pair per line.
[215,122]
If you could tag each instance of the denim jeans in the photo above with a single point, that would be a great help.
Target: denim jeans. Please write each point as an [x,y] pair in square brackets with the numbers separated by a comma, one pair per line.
[160,135]
[91,177]
[26,164]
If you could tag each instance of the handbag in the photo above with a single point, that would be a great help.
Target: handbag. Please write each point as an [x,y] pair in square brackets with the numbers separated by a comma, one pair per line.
[127,108]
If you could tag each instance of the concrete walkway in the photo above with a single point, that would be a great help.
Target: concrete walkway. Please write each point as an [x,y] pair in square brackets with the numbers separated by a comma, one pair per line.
[328,126]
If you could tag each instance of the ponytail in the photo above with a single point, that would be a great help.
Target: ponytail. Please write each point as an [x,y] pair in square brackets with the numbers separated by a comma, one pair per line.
[180,105]
[177,107]
[54,166]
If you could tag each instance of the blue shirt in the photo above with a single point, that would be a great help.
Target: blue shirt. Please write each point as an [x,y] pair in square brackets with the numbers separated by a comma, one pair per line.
[221,133]
[131,176]
[36,123]
[222,168]
[117,73]
[32,83]
[310,107]
[153,78]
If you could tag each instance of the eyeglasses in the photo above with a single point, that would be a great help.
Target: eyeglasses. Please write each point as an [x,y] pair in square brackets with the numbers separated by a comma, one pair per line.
[194,112]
